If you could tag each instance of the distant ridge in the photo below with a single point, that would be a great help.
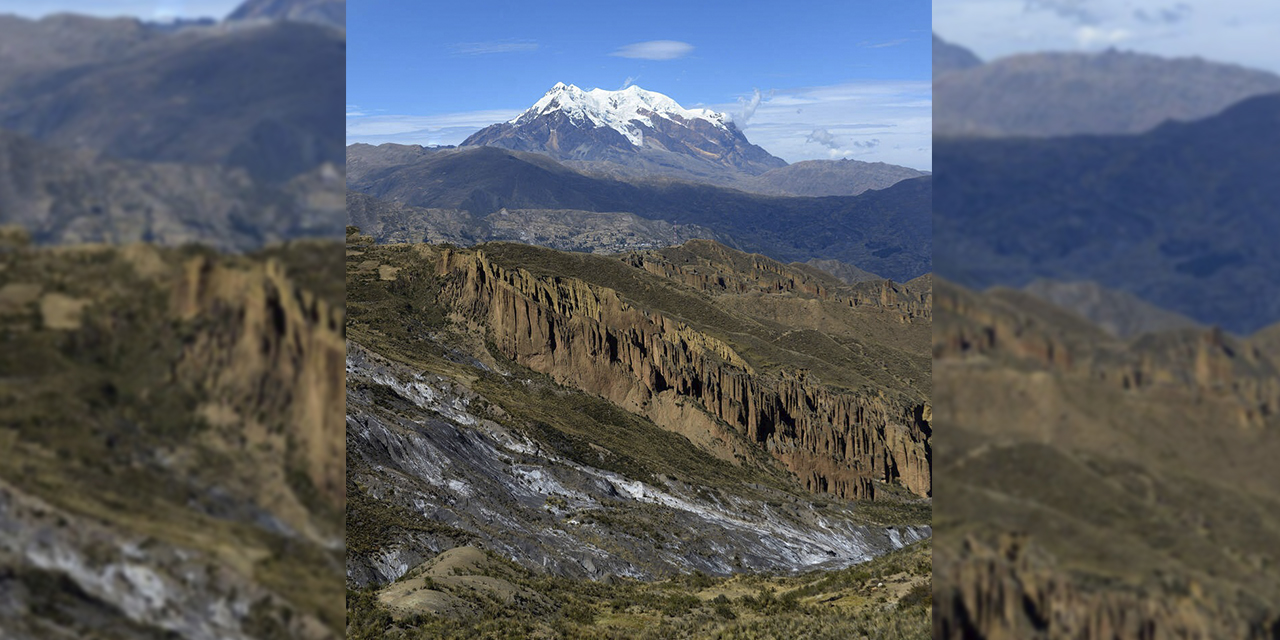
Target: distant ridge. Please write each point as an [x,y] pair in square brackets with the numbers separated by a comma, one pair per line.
[1056,94]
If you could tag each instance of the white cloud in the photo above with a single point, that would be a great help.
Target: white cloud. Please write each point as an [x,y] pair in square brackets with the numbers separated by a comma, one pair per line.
[1091,37]
[824,138]
[655,50]
[749,106]
[145,9]
[443,129]
[874,121]
[1237,31]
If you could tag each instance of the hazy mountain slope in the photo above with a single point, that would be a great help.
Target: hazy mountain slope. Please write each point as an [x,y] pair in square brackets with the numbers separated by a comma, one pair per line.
[1056,94]
[64,197]
[169,465]
[268,99]
[565,229]
[886,232]
[826,178]
[1118,313]
[1109,488]
[328,12]
[362,159]
[63,41]
[1186,230]
[949,57]
[845,272]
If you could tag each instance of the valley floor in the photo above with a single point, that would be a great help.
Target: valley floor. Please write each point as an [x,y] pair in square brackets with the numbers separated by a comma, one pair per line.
[466,593]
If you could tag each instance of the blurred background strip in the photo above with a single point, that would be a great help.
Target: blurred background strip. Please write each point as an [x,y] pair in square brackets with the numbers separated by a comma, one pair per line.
[171,319]
[1107,332]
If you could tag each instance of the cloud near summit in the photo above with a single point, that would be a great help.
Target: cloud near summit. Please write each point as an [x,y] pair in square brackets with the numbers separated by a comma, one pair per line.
[655,50]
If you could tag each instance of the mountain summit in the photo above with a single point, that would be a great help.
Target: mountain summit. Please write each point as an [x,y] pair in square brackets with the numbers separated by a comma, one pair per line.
[629,111]
[631,129]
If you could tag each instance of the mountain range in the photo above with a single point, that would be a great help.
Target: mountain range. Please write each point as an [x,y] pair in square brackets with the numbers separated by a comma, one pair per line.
[1179,216]
[115,131]
[886,232]
[1056,94]
[332,13]
[637,134]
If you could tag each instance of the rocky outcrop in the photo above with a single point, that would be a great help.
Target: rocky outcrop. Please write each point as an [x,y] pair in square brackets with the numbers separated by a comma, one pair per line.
[194,485]
[707,265]
[436,467]
[273,364]
[1208,362]
[1010,589]
[162,590]
[833,439]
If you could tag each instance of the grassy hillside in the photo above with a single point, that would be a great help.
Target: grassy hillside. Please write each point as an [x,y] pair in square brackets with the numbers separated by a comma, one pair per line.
[888,597]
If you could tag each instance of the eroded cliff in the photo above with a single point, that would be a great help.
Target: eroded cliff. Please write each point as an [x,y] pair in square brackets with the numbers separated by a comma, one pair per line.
[171,463]
[835,439]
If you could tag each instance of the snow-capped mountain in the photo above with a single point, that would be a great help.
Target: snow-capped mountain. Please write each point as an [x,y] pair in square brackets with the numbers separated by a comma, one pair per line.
[632,131]
[629,111]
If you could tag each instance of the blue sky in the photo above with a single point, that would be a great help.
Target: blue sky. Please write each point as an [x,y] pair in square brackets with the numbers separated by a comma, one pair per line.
[833,79]
[1238,31]
[145,9]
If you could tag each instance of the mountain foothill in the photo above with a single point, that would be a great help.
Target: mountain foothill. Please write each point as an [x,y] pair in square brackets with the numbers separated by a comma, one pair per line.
[171,326]
[1105,372]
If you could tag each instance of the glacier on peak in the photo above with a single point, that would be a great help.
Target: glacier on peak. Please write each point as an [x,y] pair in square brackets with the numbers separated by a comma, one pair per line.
[624,111]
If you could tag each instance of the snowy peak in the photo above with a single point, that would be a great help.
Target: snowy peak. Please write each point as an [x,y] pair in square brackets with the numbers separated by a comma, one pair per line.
[628,111]
[634,131]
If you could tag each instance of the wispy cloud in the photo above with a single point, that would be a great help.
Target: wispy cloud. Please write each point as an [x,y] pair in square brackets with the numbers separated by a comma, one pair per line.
[145,9]
[1239,31]
[655,50]
[875,121]
[354,111]
[487,48]
[442,129]
[1164,15]
[824,138]
[749,106]
[628,82]
[1077,11]
[867,44]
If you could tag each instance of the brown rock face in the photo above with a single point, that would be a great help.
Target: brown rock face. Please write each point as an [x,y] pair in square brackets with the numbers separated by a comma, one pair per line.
[1010,589]
[274,359]
[1206,362]
[835,440]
